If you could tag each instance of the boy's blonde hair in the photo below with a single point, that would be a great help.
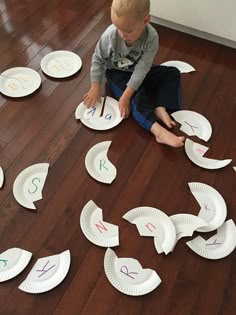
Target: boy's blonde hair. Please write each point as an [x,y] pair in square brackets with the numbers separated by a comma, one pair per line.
[139,8]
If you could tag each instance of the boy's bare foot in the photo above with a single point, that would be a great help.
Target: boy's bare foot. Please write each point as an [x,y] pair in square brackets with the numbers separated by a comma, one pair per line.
[162,114]
[164,136]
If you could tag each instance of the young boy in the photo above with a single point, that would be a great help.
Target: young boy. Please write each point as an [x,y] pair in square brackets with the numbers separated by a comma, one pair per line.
[125,52]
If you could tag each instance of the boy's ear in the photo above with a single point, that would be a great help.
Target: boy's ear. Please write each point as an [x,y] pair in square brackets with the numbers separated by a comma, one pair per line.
[146,19]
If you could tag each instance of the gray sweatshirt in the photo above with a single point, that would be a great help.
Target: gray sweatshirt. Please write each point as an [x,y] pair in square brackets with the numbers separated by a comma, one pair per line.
[111,52]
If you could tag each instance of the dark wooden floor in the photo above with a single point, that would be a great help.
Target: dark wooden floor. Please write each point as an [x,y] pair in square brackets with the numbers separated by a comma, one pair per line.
[42,128]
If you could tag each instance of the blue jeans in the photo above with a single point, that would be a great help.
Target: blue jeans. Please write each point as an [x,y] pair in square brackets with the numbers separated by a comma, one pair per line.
[161,87]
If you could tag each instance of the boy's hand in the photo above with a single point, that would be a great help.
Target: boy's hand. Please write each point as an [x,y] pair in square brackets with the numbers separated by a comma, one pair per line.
[124,102]
[124,106]
[93,95]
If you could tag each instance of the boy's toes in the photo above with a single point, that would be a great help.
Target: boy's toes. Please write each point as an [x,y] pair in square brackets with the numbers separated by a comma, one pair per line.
[173,123]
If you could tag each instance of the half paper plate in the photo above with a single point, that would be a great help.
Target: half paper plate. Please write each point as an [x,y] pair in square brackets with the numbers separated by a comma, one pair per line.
[234,167]
[185,224]
[28,185]
[110,118]
[193,124]
[128,276]
[153,222]
[98,165]
[219,245]
[213,207]
[19,81]
[1,177]
[183,67]
[12,262]
[61,64]
[95,229]
[83,112]
[47,273]
[195,152]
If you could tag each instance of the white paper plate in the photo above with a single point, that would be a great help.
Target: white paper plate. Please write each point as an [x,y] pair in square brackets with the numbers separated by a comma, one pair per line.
[12,262]
[47,273]
[19,81]
[183,67]
[28,185]
[153,222]
[193,124]
[110,118]
[98,165]
[128,276]
[82,112]
[61,64]
[195,152]
[234,167]
[218,246]
[95,229]
[185,224]
[213,207]
[1,177]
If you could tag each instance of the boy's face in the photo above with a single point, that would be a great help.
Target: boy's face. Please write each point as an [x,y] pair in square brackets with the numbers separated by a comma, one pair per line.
[129,27]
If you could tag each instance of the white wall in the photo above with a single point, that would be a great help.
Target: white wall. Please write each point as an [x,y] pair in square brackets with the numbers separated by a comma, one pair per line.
[217,17]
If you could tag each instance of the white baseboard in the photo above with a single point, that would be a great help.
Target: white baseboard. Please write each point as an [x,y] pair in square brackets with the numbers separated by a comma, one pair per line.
[194,32]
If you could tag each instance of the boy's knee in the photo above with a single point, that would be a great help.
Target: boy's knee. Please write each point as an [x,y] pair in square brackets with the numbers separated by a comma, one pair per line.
[173,71]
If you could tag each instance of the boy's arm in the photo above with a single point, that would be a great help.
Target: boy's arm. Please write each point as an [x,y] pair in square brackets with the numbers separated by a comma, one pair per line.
[124,102]
[98,63]
[93,95]
[101,55]
[96,73]
[97,70]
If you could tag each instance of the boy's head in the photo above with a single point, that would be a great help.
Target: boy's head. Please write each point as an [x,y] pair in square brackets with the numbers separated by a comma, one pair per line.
[138,8]
[130,17]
